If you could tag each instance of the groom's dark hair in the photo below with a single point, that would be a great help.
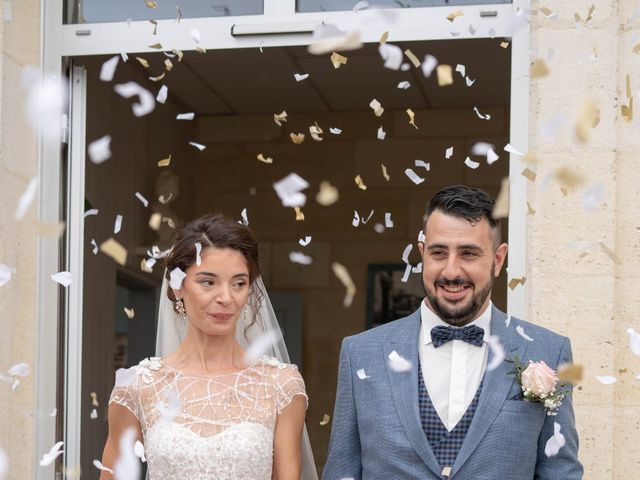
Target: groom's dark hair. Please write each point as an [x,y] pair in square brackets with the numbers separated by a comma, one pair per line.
[469,203]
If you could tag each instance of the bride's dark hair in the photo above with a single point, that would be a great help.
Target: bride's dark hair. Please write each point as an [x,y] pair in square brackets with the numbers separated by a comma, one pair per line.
[215,230]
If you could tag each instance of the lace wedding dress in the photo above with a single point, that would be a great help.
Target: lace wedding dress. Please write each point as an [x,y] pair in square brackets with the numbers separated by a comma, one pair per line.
[214,427]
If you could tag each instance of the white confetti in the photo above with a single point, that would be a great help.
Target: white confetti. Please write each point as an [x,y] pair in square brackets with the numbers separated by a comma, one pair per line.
[19,370]
[521,332]
[138,450]
[555,443]
[361,374]
[94,414]
[90,212]
[4,460]
[195,34]
[100,150]
[185,116]
[176,277]
[606,379]
[26,199]
[117,226]
[108,69]
[7,16]
[46,101]
[335,131]
[53,413]
[144,201]
[469,82]
[95,246]
[98,464]
[168,408]
[146,102]
[406,252]
[480,115]
[49,457]
[305,241]
[481,148]
[381,134]
[423,164]
[428,65]
[399,364]
[199,146]
[5,273]
[245,218]
[162,94]
[407,271]
[300,76]
[592,198]
[392,56]
[301,258]
[634,341]
[413,176]
[127,467]
[448,152]
[461,69]
[260,346]
[497,352]
[289,190]
[63,278]
[471,164]
[124,56]
[198,250]
[388,223]
[361,6]
[492,157]
[507,321]
[509,148]
[421,236]
[356,219]
[404,85]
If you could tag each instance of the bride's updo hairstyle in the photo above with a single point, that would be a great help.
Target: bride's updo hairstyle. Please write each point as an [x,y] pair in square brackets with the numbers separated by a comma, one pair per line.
[215,230]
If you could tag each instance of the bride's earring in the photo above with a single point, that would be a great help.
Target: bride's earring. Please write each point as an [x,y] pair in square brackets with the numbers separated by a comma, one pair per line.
[182,313]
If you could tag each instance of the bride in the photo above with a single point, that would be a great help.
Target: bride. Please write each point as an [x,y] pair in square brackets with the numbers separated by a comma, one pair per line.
[209,409]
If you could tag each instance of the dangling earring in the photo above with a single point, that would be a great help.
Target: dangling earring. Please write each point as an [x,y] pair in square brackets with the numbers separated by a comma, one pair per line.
[182,313]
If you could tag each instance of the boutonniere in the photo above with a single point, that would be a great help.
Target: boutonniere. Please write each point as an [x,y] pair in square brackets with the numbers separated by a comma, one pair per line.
[539,383]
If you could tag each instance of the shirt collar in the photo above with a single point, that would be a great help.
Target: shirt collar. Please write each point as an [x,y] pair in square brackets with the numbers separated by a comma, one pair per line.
[430,320]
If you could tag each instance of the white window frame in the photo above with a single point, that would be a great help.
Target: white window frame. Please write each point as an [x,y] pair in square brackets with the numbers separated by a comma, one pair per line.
[61,41]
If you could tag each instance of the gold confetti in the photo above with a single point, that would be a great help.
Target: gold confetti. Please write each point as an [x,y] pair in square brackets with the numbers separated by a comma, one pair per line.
[144,267]
[164,200]
[514,282]
[169,221]
[168,64]
[568,178]
[179,53]
[546,11]
[590,14]
[383,38]
[199,49]
[337,60]
[539,68]
[114,250]
[636,49]
[501,207]
[130,312]
[445,75]
[297,138]
[610,253]
[151,4]
[155,26]
[627,110]
[264,159]
[157,46]
[155,221]
[342,273]
[529,174]
[570,373]
[143,62]
[588,118]
[158,78]
[577,17]
[325,420]
[280,118]
[410,55]
[453,15]
[530,210]
[384,172]
[315,132]
[299,214]
[327,195]
[94,399]
[504,44]
[360,183]
[412,118]
[164,162]
[53,229]
[530,158]
[376,107]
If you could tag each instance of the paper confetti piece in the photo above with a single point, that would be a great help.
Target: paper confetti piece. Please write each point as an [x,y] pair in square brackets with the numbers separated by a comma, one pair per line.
[118,224]
[497,352]
[26,199]
[412,118]
[63,278]
[383,38]
[198,247]
[100,150]
[337,60]
[360,6]
[144,201]
[388,223]
[168,65]
[376,107]
[429,64]
[336,41]
[162,94]
[49,457]
[399,364]
[299,77]
[299,214]
[185,116]
[115,250]
[471,164]
[176,276]
[101,467]
[264,159]
[138,451]
[164,162]
[392,56]
[335,131]
[342,273]
[501,207]
[570,373]
[445,75]
[606,379]
[142,62]
[146,102]
[423,164]
[327,195]
[453,15]
[555,443]
[406,252]
[95,246]
[634,341]
[610,253]
[381,133]
[297,138]
[199,146]
[94,414]
[404,85]
[289,189]
[448,152]
[127,466]
[411,56]
[301,258]
[588,119]
[91,212]
[384,172]
[19,370]
[130,312]
[521,332]
[280,118]
[108,69]
[305,241]
[195,35]
[529,174]
[315,131]
[360,183]
[480,115]
[539,68]
[325,420]
[361,374]
[504,44]
[5,273]
[413,176]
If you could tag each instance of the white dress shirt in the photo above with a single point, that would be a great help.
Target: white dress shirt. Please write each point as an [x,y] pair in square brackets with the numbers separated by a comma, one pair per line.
[452,372]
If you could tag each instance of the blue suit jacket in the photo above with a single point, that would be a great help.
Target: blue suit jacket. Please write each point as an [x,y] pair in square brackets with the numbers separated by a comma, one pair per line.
[376,430]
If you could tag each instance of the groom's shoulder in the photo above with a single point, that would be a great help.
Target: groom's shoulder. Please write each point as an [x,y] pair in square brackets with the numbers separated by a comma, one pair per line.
[539,333]
[387,331]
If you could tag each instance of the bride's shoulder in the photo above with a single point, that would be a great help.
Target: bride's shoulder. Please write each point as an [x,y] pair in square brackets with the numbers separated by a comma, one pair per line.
[144,371]
[276,364]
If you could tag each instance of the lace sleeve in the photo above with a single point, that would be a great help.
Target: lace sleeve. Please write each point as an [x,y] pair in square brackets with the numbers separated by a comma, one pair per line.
[125,391]
[289,384]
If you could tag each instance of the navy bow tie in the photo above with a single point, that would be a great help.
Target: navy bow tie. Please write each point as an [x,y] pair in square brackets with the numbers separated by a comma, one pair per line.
[471,334]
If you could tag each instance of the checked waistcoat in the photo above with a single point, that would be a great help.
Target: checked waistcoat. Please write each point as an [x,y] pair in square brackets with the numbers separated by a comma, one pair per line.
[445,444]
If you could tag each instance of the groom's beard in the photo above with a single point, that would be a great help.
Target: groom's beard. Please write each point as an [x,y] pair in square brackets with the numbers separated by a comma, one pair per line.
[459,315]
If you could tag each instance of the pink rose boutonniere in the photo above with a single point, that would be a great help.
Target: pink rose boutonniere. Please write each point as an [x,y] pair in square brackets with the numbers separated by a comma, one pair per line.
[539,383]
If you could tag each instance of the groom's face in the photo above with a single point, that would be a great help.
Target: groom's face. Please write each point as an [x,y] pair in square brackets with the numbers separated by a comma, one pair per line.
[460,264]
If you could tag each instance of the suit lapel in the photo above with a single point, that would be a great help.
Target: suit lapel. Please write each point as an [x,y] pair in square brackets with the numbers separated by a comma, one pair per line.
[495,388]
[404,390]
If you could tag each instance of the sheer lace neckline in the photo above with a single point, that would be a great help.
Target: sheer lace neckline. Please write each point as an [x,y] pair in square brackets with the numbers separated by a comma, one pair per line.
[260,361]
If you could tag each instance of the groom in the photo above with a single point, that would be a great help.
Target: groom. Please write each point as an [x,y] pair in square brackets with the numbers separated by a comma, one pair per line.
[449,415]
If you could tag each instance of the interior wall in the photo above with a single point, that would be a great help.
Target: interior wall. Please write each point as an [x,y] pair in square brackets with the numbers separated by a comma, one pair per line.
[228,177]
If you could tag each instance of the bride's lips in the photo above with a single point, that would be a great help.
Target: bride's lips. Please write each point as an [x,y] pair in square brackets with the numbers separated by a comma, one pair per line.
[221,317]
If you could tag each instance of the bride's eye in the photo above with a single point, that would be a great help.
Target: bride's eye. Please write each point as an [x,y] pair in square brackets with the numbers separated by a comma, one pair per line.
[239,285]
[207,283]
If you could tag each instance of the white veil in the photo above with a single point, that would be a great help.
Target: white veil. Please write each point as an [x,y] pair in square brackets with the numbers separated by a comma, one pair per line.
[172,330]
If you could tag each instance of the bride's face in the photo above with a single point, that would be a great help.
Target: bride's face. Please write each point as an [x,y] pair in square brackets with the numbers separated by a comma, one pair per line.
[215,292]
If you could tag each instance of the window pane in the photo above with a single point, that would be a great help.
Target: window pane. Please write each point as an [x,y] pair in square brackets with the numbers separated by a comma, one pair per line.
[342,5]
[98,11]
